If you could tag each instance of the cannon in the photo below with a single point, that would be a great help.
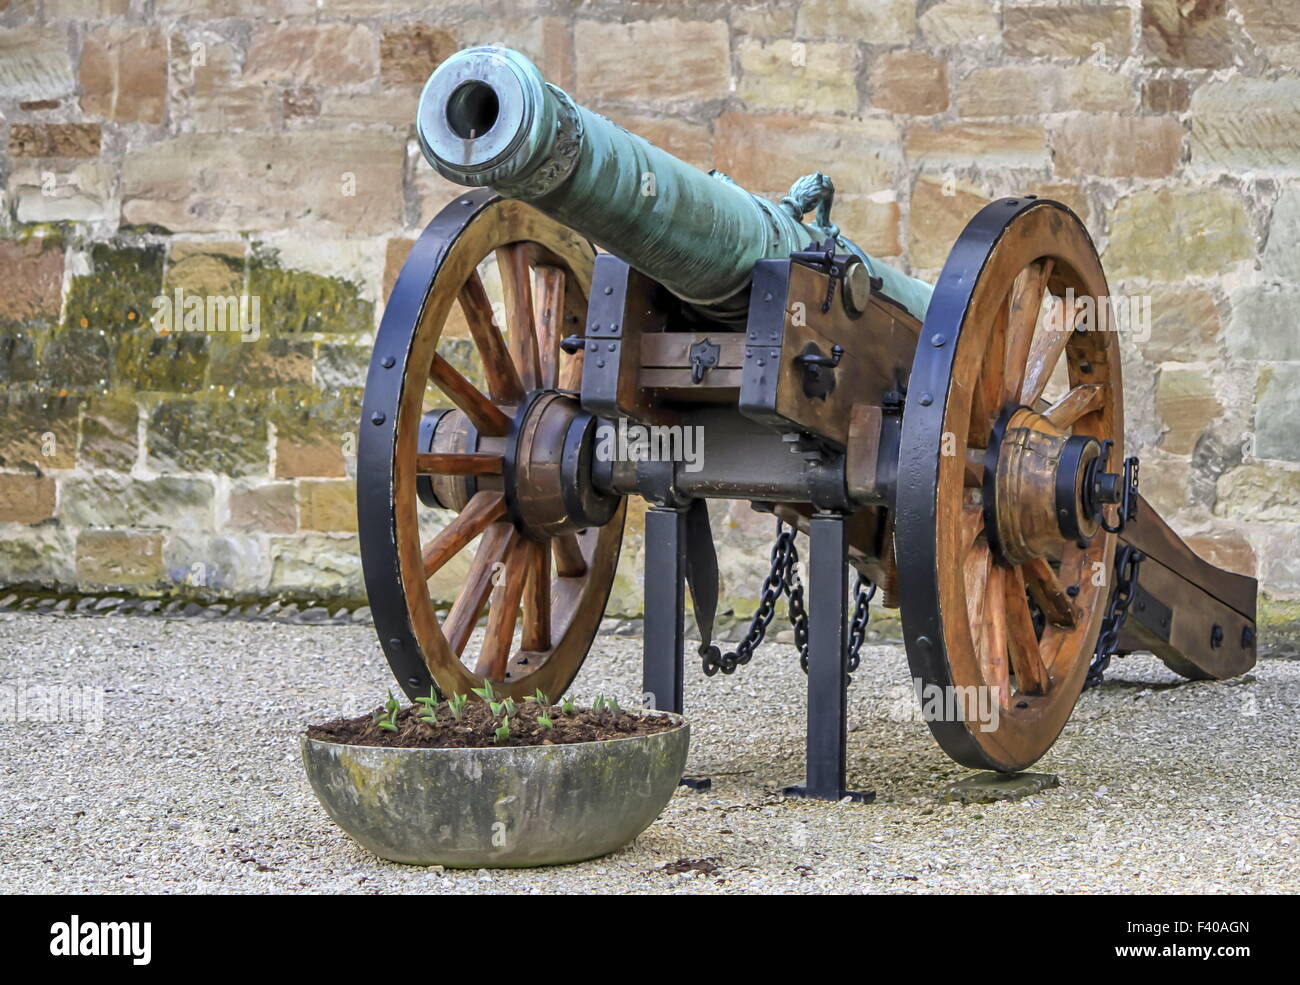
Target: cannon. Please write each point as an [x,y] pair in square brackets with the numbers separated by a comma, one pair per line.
[958,447]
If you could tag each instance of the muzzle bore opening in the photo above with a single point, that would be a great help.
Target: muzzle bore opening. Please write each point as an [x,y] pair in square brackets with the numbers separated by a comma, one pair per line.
[472,109]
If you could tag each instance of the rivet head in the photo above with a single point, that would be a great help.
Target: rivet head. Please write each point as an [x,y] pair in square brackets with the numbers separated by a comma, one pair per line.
[609,290]
[937,340]
[413,681]
[394,642]
[388,362]
[926,400]
[377,418]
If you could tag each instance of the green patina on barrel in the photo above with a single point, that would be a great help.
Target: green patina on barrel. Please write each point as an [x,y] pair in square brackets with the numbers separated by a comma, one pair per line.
[488,118]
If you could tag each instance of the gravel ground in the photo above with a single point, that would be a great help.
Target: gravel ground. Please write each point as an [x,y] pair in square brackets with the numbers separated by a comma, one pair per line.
[193,783]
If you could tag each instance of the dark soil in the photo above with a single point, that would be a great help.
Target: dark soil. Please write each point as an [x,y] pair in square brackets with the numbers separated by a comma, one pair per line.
[478,726]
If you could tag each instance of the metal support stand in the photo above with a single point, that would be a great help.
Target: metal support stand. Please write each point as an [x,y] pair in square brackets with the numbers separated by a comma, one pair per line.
[827,663]
[665,614]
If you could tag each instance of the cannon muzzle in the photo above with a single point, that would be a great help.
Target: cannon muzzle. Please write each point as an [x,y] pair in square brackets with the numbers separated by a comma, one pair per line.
[488,118]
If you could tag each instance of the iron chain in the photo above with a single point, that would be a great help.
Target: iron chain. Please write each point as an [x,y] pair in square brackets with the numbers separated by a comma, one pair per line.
[783,579]
[1127,560]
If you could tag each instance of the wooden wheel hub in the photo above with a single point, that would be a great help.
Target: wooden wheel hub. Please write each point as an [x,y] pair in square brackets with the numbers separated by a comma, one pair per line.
[1038,488]
[548,460]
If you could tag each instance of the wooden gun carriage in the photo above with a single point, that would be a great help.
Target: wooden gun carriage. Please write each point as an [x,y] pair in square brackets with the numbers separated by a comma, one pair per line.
[960,447]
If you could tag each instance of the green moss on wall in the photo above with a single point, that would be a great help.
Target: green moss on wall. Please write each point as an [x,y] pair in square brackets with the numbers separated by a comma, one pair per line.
[296,301]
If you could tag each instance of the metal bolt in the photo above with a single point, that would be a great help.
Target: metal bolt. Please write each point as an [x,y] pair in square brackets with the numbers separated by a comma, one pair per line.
[388,362]
[377,418]
[1216,636]
[926,400]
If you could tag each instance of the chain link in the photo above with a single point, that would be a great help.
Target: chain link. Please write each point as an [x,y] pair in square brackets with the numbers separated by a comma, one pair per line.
[864,590]
[783,579]
[1127,560]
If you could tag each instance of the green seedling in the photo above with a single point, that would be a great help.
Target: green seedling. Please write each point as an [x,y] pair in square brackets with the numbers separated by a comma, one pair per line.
[538,698]
[566,705]
[429,706]
[506,707]
[598,706]
[544,720]
[387,719]
[456,705]
[611,705]
[502,734]
[485,692]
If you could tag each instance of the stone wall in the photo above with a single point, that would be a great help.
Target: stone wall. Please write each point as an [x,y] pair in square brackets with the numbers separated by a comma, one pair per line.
[177,144]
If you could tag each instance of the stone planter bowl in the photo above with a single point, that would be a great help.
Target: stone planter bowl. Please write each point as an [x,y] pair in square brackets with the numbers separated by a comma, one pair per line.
[498,806]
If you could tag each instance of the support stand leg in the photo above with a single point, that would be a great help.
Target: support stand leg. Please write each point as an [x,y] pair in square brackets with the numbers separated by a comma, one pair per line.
[827,663]
[665,611]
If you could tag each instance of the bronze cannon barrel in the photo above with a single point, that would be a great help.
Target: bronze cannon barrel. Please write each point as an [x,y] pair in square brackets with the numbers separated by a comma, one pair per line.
[488,118]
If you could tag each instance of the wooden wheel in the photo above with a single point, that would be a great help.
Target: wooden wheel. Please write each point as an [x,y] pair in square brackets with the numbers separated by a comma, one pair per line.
[479,434]
[997,480]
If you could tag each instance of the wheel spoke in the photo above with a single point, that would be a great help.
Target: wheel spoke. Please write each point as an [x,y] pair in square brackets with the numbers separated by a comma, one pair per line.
[993,655]
[972,522]
[987,398]
[550,312]
[473,596]
[469,463]
[482,509]
[569,560]
[1031,677]
[1048,593]
[537,600]
[981,416]
[483,414]
[975,575]
[1083,399]
[516,284]
[1026,303]
[502,377]
[1046,353]
[503,613]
